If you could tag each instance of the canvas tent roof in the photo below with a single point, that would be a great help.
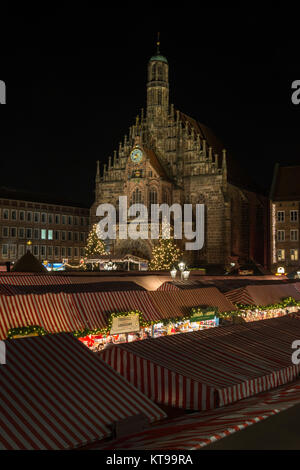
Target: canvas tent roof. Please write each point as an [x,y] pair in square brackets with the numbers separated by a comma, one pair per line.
[210,368]
[55,394]
[263,295]
[200,429]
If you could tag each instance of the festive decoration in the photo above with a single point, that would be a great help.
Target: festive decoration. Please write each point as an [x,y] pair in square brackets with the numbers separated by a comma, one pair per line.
[165,254]
[26,331]
[94,246]
[126,314]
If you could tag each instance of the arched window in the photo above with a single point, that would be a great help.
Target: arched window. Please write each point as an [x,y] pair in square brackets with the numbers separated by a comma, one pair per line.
[152,197]
[136,197]
[160,72]
[153,75]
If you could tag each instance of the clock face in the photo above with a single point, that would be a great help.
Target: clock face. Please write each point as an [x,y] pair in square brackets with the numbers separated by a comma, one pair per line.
[136,155]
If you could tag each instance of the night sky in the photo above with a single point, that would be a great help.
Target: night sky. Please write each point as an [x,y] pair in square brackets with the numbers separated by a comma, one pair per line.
[75,83]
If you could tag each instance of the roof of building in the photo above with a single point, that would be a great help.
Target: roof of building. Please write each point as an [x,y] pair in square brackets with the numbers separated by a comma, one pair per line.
[237,175]
[285,186]
[21,195]
[155,163]
[28,263]
[158,57]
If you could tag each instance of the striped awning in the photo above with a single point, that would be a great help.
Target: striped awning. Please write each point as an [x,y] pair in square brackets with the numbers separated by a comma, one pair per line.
[54,312]
[206,369]
[55,394]
[200,429]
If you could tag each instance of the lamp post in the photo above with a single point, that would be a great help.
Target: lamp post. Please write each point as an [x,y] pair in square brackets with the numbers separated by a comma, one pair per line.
[173,273]
[181,267]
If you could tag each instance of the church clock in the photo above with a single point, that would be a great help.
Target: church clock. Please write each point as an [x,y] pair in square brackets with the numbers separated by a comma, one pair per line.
[136,155]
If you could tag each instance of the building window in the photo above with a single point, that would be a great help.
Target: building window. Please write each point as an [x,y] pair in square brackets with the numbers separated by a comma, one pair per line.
[21,250]
[50,218]
[70,220]
[81,251]
[44,218]
[50,234]
[56,251]
[81,221]
[49,251]
[75,236]
[29,216]
[43,251]
[37,217]
[82,236]
[63,219]
[70,236]
[29,233]
[294,235]
[280,235]
[5,231]
[136,197]
[75,220]
[280,255]
[280,216]
[13,250]
[75,252]
[63,252]
[63,236]
[21,232]
[43,234]
[57,219]
[36,233]
[294,216]
[56,234]
[294,254]
[13,215]
[69,252]
[5,250]
[21,216]
[13,232]
[36,250]
[5,214]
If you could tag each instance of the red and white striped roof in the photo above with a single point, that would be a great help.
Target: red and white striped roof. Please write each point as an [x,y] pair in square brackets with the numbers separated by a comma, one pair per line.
[27,279]
[263,295]
[210,368]
[55,394]
[200,429]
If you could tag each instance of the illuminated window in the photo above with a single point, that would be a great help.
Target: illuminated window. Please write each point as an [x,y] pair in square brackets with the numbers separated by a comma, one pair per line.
[50,234]
[43,234]
[294,255]
[280,216]
[280,255]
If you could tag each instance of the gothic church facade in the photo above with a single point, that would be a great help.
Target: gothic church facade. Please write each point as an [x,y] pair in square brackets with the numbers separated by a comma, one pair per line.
[168,157]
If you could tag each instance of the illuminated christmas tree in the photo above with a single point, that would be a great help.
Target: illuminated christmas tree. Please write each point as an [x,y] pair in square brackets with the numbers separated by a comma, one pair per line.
[165,254]
[94,245]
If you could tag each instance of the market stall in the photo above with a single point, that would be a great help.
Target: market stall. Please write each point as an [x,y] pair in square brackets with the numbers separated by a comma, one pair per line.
[263,302]
[216,367]
[56,395]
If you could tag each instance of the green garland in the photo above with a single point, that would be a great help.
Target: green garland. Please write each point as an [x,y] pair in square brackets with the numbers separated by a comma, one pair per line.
[286,302]
[25,331]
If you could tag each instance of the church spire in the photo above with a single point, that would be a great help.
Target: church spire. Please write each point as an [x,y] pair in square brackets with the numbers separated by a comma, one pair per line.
[157,44]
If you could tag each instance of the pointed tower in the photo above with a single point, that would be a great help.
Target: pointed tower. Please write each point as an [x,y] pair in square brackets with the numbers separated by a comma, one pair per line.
[157,87]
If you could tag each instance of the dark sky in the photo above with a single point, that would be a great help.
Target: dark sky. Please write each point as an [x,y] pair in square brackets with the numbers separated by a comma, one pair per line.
[76,80]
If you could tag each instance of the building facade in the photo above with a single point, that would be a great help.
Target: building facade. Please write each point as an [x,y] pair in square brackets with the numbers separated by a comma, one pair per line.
[284,218]
[56,231]
[169,157]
